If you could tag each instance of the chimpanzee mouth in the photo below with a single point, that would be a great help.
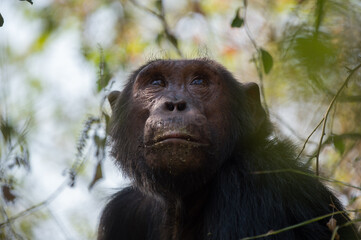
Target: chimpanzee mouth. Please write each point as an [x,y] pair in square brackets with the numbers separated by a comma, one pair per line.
[176,138]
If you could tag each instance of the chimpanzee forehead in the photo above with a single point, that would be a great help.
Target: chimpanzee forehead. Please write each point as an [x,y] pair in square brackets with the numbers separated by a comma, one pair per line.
[181,65]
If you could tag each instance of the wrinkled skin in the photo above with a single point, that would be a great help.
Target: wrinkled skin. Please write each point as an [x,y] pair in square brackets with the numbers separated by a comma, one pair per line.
[199,150]
[180,125]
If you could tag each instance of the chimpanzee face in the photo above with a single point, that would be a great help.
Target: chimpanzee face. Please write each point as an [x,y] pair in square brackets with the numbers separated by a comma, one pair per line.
[184,121]
[178,120]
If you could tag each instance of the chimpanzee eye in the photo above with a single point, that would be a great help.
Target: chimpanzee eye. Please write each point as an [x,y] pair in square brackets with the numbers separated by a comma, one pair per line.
[199,81]
[158,82]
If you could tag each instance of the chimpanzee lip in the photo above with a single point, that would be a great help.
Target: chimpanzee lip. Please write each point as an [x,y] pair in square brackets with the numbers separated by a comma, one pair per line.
[180,136]
[176,137]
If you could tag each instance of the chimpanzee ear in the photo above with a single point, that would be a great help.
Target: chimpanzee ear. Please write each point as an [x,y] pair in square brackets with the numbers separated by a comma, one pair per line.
[112,97]
[254,100]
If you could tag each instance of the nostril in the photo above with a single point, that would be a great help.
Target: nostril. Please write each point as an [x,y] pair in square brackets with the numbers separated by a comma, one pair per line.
[181,106]
[169,106]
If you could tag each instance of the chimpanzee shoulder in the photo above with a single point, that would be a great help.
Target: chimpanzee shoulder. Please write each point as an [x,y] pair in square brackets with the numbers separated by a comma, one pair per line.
[130,215]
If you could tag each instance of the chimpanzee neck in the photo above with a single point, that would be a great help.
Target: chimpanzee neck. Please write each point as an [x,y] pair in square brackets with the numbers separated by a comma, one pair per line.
[184,215]
[199,214]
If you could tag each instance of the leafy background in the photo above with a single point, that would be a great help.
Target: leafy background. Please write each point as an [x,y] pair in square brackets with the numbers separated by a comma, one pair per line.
[59,59]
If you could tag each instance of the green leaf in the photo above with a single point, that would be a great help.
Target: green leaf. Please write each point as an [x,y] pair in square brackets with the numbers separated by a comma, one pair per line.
[314,53]
[7,130]
[98,175]
[104,75]
[237,21]
[29,1]
[1,20]
[339,144]
[267,60]
[107,120]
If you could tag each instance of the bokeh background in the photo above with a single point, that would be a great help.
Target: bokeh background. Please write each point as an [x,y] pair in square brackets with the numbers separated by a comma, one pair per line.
[60,58]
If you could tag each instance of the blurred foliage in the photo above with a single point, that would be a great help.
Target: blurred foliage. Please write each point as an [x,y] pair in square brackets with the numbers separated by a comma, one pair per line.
[14,153]
[300,52]
[1,17]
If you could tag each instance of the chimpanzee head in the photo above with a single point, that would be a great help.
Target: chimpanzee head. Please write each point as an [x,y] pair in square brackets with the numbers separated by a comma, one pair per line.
[177,122]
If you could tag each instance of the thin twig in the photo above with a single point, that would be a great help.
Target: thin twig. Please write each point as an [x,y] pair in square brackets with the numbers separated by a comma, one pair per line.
[271,233]
[162,18]
[308,138]
[307,174]
[354,136]
[38,206]
[5,215]
[328,111]
[77,165]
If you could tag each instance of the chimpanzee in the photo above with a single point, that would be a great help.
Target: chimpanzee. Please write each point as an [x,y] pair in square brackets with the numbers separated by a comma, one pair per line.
[204,164]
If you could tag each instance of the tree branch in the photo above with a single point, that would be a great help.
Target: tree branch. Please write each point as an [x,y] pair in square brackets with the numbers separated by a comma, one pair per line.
[308,138]
[352,71]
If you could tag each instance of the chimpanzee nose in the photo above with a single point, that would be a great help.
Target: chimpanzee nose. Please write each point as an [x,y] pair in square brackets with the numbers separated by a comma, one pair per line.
[179,106]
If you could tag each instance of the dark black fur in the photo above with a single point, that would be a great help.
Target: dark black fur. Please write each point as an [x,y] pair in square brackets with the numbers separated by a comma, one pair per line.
[243,198]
